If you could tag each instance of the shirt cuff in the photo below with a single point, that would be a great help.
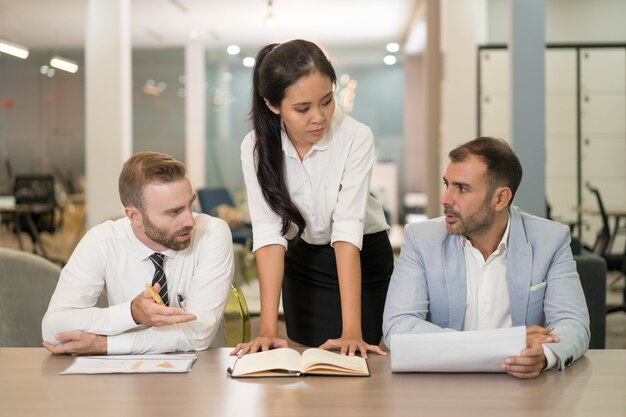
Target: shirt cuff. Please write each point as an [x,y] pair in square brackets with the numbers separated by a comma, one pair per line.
[551,358]
[258,244]
[120,344]
[121,317]
[347,231]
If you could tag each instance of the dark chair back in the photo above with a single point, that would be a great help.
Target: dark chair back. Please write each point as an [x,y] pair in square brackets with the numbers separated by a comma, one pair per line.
[210,198]
[38,189]
[592,271]
[601,245]
[34,189]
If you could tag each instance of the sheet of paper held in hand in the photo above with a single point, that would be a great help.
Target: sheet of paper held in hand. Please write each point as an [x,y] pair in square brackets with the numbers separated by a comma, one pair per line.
[131,364]
[469,351]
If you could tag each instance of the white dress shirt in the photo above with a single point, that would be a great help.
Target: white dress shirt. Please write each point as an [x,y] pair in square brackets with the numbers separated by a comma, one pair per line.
[487,291]
[488,305]
[111,256]
[330,187]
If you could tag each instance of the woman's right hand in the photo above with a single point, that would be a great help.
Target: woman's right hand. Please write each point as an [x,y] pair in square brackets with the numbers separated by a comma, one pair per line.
[261,343]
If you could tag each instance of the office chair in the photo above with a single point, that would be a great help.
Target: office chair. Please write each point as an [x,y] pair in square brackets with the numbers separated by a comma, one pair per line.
[620,307]
[614,262]
[38,189]
[603,238]
[592,272]
[236,317]
[211,198]
[27,282]
[575,243]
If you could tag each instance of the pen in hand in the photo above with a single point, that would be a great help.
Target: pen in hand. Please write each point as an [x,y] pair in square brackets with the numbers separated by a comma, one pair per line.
[157,298]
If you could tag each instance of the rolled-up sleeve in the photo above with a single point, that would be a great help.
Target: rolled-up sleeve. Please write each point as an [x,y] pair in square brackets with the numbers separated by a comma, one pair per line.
[349,215]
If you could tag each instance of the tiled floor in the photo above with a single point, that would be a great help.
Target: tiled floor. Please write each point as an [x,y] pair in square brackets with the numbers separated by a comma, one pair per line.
[61,244]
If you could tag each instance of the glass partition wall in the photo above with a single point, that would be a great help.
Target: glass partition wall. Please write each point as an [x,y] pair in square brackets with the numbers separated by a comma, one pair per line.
[42,111]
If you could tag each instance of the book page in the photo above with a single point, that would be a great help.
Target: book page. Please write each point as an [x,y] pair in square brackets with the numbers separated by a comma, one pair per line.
[468,351]
[322,361]
[130,364]
[278,361]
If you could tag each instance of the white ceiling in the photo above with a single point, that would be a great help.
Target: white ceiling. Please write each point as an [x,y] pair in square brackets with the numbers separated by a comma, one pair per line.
[165,23]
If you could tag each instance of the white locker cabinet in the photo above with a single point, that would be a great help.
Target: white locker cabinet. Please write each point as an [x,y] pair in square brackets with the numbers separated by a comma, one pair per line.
[602,118]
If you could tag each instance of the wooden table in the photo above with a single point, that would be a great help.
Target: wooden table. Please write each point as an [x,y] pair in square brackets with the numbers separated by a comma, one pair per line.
[30,385]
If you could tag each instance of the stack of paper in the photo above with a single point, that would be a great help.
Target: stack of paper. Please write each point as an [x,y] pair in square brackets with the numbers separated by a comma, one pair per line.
[129,364]
[470,351]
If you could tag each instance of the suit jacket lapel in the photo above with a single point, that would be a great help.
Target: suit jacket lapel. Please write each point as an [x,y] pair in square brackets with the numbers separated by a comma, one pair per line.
[518,269]
[456,281]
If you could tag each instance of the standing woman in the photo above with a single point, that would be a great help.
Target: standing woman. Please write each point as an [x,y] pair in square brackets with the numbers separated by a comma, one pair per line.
[318,233]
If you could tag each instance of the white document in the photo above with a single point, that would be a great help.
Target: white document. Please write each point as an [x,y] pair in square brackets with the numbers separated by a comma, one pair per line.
[469,351]
[130,364]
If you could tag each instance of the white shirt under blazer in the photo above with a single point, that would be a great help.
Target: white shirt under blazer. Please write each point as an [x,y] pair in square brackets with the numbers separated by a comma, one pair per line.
[330,187]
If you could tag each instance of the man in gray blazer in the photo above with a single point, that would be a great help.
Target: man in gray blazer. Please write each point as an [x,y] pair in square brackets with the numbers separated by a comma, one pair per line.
[486,264]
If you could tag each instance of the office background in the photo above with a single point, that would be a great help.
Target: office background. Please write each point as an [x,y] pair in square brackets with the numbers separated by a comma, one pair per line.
[42,118]
[418,108]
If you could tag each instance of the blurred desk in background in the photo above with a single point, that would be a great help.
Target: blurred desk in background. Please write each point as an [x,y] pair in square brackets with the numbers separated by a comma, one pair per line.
[14,215]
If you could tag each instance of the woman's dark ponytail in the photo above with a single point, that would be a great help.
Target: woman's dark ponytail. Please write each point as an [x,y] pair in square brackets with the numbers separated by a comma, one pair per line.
[268,148]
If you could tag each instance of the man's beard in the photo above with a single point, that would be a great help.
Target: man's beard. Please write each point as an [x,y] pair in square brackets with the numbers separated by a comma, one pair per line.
[161,237]
[472,225]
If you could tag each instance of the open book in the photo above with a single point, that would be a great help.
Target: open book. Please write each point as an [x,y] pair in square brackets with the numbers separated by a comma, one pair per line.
[289,362]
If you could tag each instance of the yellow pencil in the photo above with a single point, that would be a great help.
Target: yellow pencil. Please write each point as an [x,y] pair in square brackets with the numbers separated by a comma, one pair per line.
[155,295]
[546,331]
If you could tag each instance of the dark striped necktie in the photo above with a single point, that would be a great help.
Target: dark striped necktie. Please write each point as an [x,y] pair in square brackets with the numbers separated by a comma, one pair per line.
[159,276]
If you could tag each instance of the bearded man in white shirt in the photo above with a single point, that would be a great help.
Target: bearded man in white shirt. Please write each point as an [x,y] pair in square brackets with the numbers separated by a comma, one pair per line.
[487,265]
[187,257]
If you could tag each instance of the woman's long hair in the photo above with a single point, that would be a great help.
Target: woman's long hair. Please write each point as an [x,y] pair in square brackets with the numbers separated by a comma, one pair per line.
[277,67]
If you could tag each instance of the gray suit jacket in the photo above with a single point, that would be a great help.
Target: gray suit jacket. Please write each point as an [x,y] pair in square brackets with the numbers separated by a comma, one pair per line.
[428,289]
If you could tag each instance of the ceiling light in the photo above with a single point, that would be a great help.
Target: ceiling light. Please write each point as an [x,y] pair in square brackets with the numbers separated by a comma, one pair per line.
[389,59]
[270,22]
[13,49]
[248,61]
[63,64]
[393,47]
[233,49]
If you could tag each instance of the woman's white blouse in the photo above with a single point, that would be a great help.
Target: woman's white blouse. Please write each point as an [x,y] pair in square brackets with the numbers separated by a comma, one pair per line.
[330,187]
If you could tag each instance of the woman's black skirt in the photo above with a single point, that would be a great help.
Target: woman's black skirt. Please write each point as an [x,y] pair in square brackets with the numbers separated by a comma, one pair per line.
[311,300]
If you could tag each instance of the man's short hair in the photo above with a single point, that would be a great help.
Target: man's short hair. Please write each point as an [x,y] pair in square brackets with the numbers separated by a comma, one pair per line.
[503,166]
[147,168]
